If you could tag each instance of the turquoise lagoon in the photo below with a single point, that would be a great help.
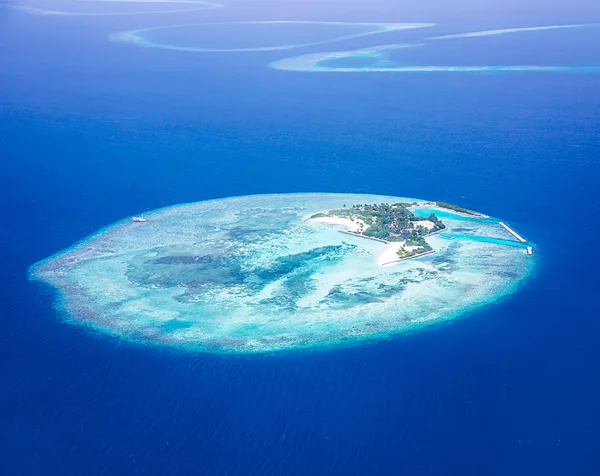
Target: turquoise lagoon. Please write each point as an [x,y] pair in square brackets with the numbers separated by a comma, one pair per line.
[251,274]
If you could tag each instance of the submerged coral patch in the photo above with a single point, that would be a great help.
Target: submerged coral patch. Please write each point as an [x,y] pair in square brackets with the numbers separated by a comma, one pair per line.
[380,58]
[281,35]
[253,35]
[112,7]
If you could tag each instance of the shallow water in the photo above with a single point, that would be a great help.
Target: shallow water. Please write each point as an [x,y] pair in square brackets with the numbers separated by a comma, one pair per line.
[252,274]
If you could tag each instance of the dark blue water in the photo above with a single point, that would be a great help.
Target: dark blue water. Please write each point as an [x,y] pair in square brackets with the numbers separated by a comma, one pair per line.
[92,131]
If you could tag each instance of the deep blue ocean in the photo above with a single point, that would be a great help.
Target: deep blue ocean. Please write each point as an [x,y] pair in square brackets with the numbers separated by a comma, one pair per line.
[93,131]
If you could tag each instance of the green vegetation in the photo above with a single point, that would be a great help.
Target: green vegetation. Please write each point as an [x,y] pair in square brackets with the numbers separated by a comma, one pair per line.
[417,241]
[414,252]
[455,208]
[436,221]
[389,222]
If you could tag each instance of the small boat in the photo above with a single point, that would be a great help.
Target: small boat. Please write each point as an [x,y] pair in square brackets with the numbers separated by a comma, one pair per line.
[138,219]
[529,250]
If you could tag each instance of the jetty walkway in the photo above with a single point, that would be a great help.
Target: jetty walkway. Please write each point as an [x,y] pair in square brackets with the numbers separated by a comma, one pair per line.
[364,236]
[512,232]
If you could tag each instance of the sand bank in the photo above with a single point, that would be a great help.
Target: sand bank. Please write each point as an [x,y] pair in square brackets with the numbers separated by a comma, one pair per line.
[350,225]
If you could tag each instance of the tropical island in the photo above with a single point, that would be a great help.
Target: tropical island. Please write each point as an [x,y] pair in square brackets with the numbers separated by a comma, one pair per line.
[388,223]
[256,274]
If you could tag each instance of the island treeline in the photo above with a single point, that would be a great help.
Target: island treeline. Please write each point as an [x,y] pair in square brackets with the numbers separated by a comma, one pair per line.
[456,208]
[393,223]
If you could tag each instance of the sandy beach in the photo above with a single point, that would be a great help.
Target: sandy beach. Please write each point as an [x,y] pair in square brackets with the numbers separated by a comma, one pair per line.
[349,225]
[390,253]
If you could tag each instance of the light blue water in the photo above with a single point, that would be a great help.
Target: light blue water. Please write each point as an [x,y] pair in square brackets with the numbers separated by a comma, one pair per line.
[485,239]
[425,212]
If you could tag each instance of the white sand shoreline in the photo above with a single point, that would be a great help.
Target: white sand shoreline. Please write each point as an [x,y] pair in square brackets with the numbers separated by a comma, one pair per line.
[354,226]
[390,254]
